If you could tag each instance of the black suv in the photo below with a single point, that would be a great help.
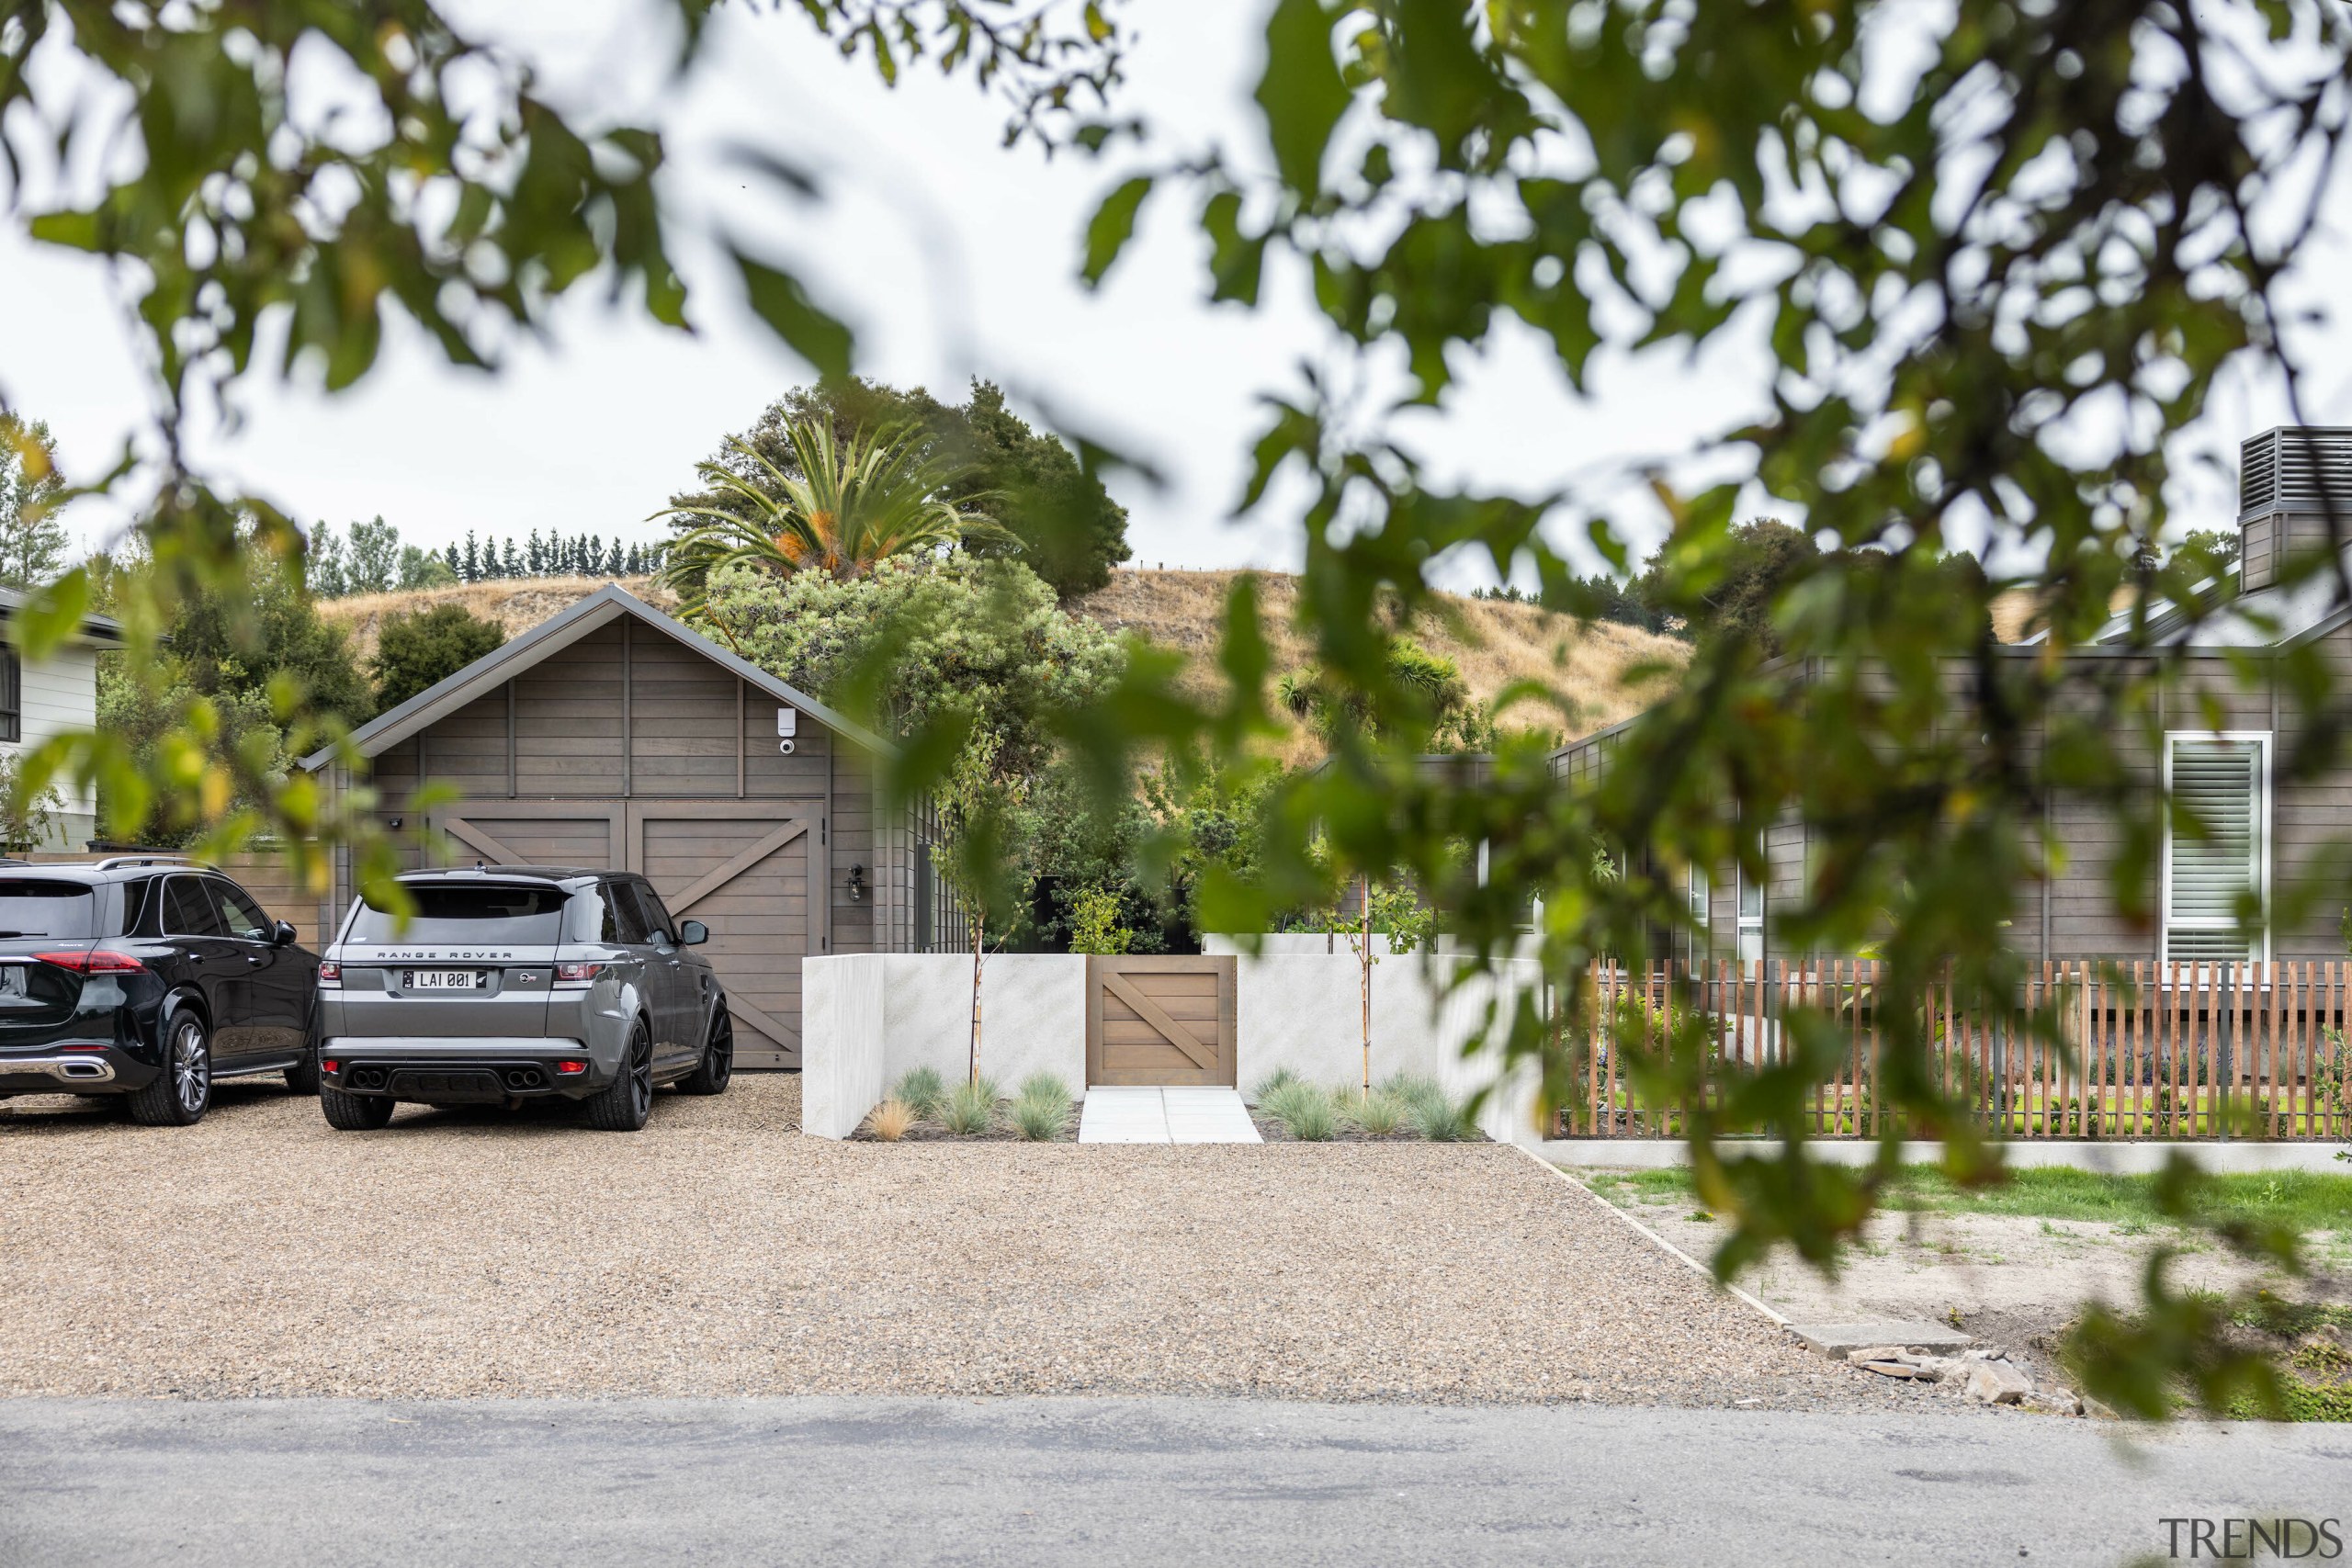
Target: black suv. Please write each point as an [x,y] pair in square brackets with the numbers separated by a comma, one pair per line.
[147,978]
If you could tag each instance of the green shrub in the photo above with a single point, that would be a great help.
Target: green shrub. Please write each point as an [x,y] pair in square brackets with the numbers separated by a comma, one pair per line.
[925,1092]
[971,1108]
[1040,1119]
[422,649]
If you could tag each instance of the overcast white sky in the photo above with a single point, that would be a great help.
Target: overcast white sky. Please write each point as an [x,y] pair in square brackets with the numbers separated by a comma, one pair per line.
[953,256]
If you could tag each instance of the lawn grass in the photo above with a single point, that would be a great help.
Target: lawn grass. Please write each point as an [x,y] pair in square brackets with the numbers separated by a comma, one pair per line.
[2310,1201]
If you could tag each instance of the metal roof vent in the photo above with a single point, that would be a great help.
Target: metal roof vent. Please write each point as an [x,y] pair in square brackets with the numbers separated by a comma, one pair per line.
[2296,467]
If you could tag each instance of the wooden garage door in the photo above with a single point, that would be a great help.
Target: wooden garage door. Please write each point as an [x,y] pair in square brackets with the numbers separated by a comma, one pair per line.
[744,869]
[741,867]
[1159,1021]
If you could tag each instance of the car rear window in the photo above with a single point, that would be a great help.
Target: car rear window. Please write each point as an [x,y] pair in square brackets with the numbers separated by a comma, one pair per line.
[474,912]
[33,908]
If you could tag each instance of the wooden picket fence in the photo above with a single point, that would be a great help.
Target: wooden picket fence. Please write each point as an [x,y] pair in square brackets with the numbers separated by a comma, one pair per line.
[2208,1051]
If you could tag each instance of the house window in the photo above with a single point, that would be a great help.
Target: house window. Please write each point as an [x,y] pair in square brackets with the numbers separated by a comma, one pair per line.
[1751,918]
[12,696]
[2221,785]
[1700,893]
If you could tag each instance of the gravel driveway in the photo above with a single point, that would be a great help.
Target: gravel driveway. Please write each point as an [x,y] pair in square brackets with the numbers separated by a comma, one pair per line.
[720,1253]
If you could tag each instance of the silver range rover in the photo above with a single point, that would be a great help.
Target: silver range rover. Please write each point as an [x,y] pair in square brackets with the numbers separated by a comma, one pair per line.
[514,983]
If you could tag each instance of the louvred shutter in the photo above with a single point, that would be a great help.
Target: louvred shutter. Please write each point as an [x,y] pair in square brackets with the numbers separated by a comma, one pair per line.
[2218,784]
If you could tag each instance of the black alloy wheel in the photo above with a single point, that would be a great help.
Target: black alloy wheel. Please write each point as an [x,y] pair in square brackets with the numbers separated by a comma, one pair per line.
[625,1104]
[717,1065]
[182,1092]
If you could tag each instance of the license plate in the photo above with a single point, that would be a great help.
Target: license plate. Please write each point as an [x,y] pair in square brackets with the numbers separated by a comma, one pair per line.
[444,979]
[12,980]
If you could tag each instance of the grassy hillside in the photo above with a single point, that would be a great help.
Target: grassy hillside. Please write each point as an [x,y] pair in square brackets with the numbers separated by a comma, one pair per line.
[516,603]
[1493,642]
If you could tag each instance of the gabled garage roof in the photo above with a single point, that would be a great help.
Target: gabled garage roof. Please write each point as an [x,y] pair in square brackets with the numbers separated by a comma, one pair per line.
[601,608]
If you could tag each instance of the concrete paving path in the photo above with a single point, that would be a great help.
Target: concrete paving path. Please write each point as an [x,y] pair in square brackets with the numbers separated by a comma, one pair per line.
[1110,1484]
[1132,1114]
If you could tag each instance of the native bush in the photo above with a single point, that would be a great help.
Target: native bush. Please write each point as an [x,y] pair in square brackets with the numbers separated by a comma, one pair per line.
[420,650]
[917,640]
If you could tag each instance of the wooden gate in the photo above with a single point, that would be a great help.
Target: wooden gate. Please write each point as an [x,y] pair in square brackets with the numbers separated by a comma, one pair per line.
[744,868]
[1159,1021]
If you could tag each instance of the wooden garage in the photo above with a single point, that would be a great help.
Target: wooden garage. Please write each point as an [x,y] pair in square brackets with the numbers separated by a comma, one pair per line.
[616,737]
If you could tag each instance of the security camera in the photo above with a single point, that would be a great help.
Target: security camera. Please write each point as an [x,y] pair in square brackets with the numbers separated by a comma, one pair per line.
[785,747]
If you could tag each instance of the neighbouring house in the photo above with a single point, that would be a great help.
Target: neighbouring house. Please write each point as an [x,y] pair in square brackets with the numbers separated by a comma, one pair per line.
[2260,820]
[40,700]
[616,735]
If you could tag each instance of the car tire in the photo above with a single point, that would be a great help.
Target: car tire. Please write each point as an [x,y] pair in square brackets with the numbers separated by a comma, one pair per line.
[623,1105]
[717,1066]
[182,1092]
[355,1112]
[303,1077]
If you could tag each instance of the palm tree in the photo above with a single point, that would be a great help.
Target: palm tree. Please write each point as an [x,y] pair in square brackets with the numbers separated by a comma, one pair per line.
[851,505]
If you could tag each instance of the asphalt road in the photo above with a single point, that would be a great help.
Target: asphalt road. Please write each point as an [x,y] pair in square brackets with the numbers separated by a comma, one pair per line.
[1110,1482]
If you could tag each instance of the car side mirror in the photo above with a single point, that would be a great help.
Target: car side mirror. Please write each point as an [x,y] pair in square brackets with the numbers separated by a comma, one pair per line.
[284,935]
[692,933]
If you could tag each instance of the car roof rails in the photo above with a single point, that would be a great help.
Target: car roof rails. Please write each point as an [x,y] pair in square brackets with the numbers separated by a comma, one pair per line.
[116,862]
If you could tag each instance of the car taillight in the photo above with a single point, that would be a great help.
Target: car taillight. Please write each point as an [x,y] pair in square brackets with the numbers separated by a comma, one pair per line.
[97,962]
[330,1066]
[578,974]
[570,1069]
[329,972]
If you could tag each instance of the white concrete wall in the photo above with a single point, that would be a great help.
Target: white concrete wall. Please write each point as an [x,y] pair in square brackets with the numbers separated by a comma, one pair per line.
[869,1019]
[842,1007]
[1033,1016]
[1305,1011]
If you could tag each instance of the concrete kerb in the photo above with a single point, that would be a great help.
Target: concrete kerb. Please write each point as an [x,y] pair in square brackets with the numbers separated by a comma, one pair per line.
[1777,1319]
[2106,1159]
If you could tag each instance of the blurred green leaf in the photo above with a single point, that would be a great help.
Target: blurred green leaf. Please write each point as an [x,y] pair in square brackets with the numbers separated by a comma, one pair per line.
[1113,225]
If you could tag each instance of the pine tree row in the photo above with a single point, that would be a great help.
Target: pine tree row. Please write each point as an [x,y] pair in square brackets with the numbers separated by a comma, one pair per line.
[581,555]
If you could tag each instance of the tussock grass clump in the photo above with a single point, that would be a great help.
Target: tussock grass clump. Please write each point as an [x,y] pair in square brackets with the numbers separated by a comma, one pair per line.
[1307,1111]
[970,1109]
[1040,1120]
[891,1119]
[1431,1112]
[1272,1084]
[1380,1114]
[1046,1087]
[1041,1111]
[925,1092]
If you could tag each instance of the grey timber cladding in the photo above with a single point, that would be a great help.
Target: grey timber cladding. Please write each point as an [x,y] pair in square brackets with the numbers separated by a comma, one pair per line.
[625,742]
[2074,914]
